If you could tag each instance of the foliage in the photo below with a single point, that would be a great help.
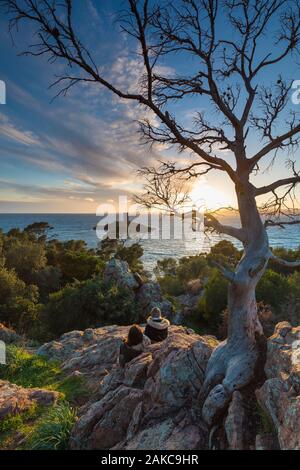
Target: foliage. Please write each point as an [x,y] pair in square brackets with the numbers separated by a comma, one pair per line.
[73,260]
[54,428]
[90,303]
[224,253]
[48,280]
[31,371]
[28,370]
[38,229]
[174,276]
[25,256]
[171,285]
[273,288]
[18,301]
[132,254]
[12,422]
[214,300]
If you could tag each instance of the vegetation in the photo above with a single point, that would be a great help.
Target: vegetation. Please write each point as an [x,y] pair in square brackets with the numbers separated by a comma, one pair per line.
[40,427]
[30,371]
[48,287]
[278,289]
[53,429]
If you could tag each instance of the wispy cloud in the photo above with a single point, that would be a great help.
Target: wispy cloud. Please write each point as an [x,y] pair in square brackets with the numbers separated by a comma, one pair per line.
[9,131]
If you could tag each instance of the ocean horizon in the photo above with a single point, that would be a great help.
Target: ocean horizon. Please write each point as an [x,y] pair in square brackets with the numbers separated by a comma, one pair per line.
[67,226]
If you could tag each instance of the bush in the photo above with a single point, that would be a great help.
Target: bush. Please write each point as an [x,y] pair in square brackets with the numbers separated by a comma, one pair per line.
[48,280]
[87,304]
[166,266]
[54,429]
[272,289]
[171,285]
[214,300]
[224,253]
[132,254]
[31,371]
[26,257]
[78,265]
[192,267]
[17,301]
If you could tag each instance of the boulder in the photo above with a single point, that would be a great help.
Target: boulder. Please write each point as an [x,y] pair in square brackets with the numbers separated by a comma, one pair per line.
[8,336]
[279,396]
[118,271]
[149,295]
[236,423]
[266,442]
[106,421]
[151,403]
[92,352]
[15,400]
[172,433]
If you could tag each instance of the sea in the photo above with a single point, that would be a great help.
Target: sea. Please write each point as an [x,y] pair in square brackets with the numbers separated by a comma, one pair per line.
[82,227]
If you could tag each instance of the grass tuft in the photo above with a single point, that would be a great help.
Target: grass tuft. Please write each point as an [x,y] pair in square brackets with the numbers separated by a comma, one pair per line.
[53,430]
[33,371]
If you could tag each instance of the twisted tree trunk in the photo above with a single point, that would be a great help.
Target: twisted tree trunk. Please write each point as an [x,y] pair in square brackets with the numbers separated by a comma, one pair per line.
[233,363]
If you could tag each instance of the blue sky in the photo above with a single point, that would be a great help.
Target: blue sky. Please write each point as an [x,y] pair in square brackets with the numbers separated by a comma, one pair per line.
[78,151]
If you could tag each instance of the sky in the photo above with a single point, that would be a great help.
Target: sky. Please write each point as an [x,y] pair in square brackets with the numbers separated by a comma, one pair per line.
[76,152]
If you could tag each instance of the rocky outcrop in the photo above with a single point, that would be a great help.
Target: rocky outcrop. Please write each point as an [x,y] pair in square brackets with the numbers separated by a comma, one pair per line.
[15,400]
[236,423]
[280,394]
[151,403]
[92,352]
[8,335]
[118,271]
[148,294]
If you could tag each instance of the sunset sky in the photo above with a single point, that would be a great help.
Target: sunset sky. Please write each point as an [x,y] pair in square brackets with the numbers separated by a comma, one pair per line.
[78,151]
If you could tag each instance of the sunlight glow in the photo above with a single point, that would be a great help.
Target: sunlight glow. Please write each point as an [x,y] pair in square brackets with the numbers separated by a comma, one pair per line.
[211,197]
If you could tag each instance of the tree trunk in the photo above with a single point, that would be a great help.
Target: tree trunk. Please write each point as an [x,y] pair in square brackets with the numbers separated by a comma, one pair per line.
[232,365]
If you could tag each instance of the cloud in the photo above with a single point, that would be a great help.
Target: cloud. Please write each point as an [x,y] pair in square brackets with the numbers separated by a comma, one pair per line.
[90,138]
[11,132]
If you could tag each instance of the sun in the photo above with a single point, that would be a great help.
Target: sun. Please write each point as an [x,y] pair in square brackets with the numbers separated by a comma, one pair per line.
[203,194]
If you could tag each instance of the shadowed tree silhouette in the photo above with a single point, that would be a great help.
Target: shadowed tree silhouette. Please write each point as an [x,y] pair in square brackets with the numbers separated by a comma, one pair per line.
[230,48]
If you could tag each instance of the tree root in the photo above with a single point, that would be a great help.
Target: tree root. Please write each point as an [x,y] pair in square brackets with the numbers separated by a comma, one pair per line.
[231,367]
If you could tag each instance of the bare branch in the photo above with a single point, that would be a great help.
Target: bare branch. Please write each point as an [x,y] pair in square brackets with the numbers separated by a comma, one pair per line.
[277,184]
[282,262]
[212,223]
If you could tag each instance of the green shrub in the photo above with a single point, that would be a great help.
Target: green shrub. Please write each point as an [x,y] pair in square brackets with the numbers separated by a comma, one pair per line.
[272,289]
[166,266]
[53,430]
[18,306]
[28,370]
[171,286]
[192,267]
[87,304]
[13,422]
[26,257]
[214,300]
[294,285]
[132,255]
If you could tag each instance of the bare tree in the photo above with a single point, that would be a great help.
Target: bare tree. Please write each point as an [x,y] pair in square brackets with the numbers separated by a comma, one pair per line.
[228,47]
